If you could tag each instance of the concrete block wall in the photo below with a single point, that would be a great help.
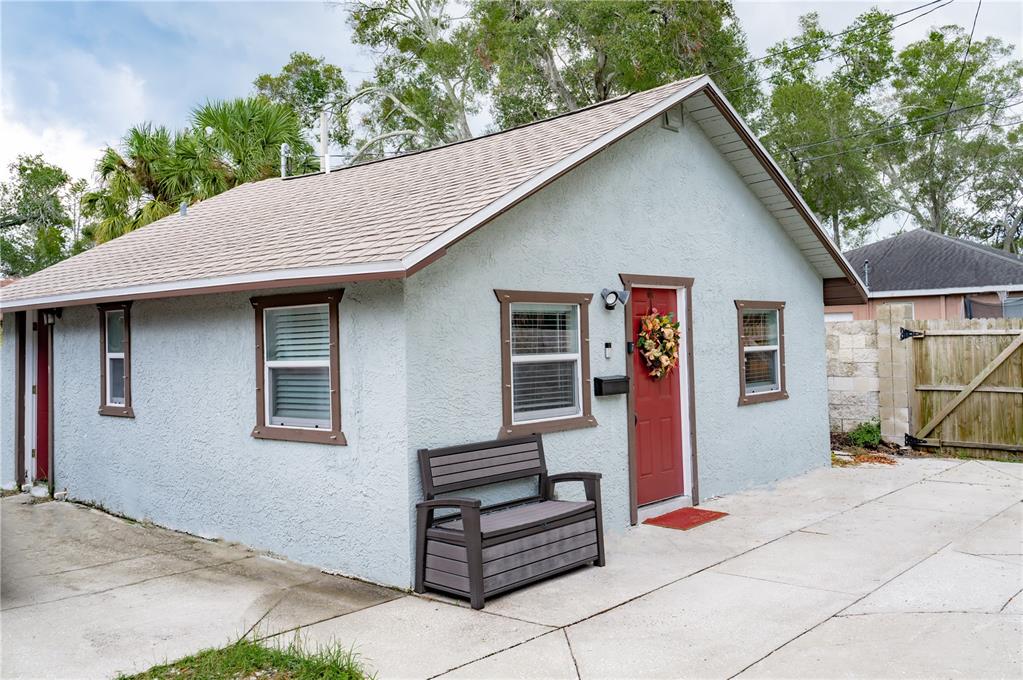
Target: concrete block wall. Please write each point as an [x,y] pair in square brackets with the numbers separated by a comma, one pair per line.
[894,359]
[853,382]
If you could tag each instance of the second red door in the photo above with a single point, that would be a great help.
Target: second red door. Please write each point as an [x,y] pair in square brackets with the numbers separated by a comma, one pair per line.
[658,410]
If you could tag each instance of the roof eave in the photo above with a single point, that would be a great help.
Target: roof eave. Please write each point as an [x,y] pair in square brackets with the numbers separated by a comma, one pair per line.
[437,246]
[288,278]
[717,96]
[962,290]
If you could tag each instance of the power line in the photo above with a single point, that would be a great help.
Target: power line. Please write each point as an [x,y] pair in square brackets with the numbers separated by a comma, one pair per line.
[849,47]
[928,134]
[962,66]
[902,124]
[816,40]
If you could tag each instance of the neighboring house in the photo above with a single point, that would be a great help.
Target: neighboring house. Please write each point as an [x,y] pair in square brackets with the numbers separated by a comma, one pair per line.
[942,277]
[268,364]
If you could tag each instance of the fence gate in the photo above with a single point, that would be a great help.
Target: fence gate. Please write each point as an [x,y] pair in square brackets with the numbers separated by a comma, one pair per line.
[967,386]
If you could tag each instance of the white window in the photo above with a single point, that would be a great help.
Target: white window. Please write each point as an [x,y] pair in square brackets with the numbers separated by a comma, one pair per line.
[297,366]
[546,361]
[762,349]
[837,316]
[114,356]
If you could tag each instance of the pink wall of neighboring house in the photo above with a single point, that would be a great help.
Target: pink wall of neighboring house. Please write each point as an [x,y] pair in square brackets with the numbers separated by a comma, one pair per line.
[924,306]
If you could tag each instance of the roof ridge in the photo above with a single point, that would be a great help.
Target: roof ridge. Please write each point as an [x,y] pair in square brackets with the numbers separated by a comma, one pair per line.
[417,152]
[981,248]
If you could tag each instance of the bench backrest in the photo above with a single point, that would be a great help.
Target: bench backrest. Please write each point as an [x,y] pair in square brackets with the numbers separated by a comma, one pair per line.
[454,468]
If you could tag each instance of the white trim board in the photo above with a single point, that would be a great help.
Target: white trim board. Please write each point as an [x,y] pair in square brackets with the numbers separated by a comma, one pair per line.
[1011,288]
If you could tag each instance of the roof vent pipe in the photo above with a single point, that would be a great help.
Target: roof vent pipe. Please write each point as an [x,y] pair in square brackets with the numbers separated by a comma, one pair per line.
[324,158]
[285,155]
[183,209]
[866,273]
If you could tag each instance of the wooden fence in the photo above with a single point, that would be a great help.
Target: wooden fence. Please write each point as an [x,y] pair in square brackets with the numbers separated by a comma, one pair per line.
[966,395]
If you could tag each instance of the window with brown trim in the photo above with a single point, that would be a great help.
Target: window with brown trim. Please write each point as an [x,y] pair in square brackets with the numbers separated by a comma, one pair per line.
[761,351]
[115,360]
[298,369]
[545,362]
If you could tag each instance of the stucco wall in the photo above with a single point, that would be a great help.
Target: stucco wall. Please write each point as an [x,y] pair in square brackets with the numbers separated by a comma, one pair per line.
[8,352]
[656,203]
[187,460]
[421,367]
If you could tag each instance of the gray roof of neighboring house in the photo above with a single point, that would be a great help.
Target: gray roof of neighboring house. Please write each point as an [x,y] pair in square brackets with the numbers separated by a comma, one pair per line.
[387,219]
[923,260]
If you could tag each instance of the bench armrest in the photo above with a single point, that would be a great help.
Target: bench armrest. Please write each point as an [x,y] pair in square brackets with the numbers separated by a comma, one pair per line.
[573,477]
[469,509]
[590,480]
[450,503]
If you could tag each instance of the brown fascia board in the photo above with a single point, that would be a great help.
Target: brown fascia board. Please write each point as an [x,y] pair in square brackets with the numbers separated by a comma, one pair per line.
[275,284]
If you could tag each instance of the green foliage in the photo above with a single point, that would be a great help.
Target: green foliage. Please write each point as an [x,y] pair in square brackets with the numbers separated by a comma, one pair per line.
[863,130]
[811,119]
[867,435]
[248,659]
[154,170]
[959,174]
[309,85]
[546,57]
[428,74]
[38,205]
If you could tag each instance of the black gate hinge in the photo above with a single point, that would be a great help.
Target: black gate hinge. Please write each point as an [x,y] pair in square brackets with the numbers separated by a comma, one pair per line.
[906,333]
[912,441]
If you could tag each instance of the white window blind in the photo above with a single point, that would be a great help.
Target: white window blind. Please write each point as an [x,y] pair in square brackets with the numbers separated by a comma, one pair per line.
[115,357]
[298,366]
[760,347]
[546,371]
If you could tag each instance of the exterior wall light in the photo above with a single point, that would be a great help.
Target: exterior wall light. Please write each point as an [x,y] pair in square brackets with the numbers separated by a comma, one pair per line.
[613,297]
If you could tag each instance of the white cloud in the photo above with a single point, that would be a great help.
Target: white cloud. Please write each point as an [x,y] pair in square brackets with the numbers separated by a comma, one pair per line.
[89,108]
[66,146]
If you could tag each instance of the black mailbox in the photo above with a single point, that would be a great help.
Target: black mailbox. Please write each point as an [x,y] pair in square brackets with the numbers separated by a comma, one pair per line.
[611,384]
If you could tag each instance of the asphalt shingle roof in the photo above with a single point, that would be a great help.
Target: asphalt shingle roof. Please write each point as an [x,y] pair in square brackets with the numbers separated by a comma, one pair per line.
[924,260]
[374,212]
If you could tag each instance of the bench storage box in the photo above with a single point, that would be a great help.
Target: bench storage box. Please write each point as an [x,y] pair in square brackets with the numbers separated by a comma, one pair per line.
[482,551]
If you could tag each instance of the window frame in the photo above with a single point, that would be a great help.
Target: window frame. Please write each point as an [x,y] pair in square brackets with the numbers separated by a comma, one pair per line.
[782,391]
[265,430]
[512,428]
[124,410]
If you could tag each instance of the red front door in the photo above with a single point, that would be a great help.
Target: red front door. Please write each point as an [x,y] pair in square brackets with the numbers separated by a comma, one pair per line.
[658,410]
[42,400]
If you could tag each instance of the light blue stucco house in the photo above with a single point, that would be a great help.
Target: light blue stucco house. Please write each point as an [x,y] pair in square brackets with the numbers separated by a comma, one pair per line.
[264,368]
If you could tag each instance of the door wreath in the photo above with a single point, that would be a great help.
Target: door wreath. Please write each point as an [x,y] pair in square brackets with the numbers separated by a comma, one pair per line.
[658,342]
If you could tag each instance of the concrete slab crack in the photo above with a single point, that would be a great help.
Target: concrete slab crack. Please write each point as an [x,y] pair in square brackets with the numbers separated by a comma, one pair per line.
[1007,602]
[572,654]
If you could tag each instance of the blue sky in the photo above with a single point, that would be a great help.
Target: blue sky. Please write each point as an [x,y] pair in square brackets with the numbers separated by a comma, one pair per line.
[74,76]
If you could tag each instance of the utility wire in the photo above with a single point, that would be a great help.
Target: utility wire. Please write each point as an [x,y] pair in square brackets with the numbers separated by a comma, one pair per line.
[849,47]
[815,40]
[962,66]
[928,134]
[902,124]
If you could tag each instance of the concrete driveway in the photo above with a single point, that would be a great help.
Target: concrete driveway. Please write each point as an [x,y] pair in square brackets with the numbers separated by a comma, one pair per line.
[907,571]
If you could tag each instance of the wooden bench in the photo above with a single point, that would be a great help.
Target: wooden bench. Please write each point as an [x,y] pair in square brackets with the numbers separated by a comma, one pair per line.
[482,551]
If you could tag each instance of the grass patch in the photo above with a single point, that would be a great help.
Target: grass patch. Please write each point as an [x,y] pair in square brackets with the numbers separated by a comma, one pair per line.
[251,660]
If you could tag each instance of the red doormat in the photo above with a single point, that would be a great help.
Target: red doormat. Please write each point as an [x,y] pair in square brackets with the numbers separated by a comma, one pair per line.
[685,518]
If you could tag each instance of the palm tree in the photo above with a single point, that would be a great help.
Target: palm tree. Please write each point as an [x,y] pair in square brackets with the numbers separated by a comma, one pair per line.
[154,170]
[246,137]
[131,192]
